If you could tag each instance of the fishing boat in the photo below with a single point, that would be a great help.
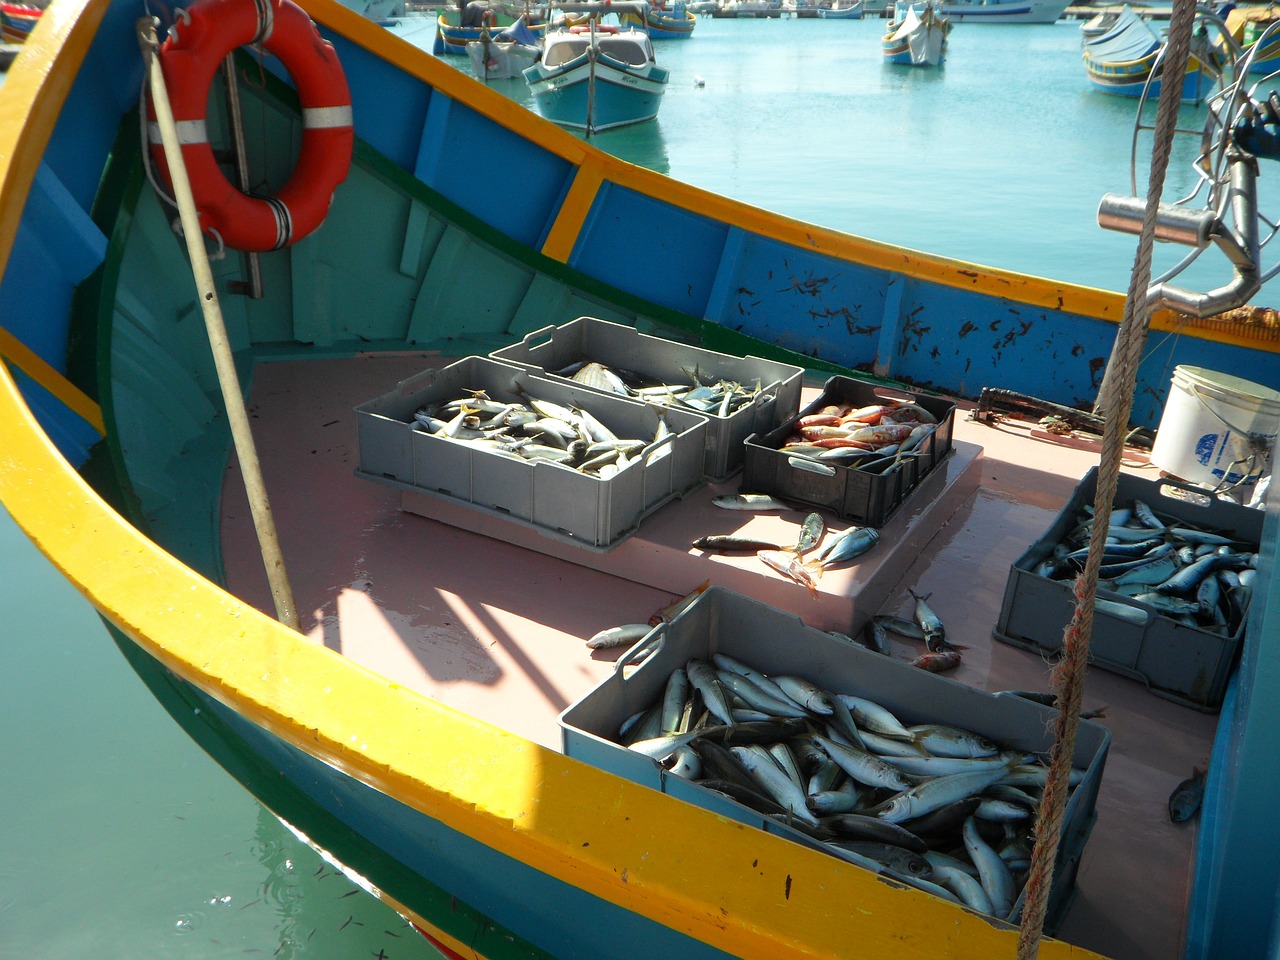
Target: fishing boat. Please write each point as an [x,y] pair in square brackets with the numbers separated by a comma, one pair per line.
[661,22]
[916,36]
[597,76]
[1254,28]
[378,10]
[456,28]
[505,54]
[410,721]
[17,20]
[838,11]
[1125,60]
[1003,11]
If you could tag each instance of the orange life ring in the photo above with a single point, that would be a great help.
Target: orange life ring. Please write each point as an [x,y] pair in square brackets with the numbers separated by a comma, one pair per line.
[487,19]
[197,44]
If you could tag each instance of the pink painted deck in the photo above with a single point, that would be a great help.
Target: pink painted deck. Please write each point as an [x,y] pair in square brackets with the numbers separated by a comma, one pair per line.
[491,617]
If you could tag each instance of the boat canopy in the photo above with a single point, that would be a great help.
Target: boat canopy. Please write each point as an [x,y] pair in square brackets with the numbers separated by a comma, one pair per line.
[1130,38]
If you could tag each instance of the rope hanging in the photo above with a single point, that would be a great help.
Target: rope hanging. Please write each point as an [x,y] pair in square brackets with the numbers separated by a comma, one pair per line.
[1068,675]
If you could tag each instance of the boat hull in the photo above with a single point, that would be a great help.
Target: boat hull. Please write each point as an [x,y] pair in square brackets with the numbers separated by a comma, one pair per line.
[1005,11]
[663,24]
[851,12]
[621,97]
[1130,79]
[452,38]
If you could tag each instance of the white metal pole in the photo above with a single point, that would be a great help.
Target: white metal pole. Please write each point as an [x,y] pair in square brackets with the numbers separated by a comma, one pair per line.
[238,418]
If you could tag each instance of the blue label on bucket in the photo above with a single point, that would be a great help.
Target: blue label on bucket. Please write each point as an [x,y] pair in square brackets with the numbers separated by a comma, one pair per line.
[1204,448]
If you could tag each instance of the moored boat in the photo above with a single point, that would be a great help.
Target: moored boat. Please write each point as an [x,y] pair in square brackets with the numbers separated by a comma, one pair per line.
[1003,11]
[17,20]
[455,28]
[1125,60]
[1254,28]
[596,76]
[916,36]
[504,54]
[390,734]
[839,11]
[675,22]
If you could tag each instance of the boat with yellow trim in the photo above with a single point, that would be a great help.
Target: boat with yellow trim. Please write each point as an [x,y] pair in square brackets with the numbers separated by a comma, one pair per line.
[409,727]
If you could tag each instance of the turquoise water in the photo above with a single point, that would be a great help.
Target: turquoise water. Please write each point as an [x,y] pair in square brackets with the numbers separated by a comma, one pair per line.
[121,839]
[998,157]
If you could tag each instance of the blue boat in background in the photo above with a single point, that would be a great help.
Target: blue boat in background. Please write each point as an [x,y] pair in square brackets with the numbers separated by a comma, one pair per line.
[1124,60]
[596,76]
[661,22]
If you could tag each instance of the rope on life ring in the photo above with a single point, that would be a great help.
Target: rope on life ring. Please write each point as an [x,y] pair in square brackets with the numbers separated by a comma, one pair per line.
[197,45]
[487,19]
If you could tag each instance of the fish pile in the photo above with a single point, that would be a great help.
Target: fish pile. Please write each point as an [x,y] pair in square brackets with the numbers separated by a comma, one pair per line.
[935,806]
[534,429]
[718,398]
[790,560]
[877,438]
[925,625]
[1200,578]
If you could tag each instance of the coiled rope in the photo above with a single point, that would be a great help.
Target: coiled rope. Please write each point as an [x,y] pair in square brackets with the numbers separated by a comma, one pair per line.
[1068,675]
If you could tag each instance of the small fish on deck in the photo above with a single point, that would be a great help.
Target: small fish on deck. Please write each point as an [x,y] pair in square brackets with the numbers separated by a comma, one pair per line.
[728,543]
[758,502]
[1184,802]
[619,636]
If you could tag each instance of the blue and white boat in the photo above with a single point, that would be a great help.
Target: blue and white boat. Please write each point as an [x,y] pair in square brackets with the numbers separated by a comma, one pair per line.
[399,707]
[1003,11]
[674,22]
[916,36]
[841,11]
[597,76]
[1125,60]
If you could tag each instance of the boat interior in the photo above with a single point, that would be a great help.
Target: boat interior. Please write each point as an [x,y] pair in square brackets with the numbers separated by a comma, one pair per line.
[489,615]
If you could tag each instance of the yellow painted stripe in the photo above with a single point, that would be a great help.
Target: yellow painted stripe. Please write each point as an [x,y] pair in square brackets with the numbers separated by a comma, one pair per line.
[757,895]
[573,212]
[34,366]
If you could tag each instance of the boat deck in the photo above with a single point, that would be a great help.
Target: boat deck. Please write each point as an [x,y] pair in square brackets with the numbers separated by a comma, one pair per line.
[491,617]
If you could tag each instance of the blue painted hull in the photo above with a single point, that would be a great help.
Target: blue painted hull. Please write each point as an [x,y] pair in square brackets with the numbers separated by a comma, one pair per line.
[621,98]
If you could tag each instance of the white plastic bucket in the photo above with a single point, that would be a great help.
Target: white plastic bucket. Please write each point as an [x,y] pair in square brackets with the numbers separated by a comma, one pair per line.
[1216,428]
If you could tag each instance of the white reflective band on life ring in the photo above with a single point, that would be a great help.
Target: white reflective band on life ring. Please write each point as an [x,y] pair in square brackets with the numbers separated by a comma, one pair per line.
[327,118]
[189,131]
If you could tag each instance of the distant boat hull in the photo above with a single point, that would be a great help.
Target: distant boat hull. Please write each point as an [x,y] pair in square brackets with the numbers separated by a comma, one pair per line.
[1004,11]
[916,39]
[17,20]
[625,92]
[452,38]
[1124,61]
[852,11]
[675,24]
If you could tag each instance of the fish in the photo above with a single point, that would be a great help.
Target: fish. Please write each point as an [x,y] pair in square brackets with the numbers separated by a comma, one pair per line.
[758,502]
[938,792]
[938,662]
[993,872]
[1184,802]
[674,609]
[704,680]
[930,624]
[728,543]
[673,702]
[811,531]
[619,636]
[901,626]
[849,545]
[790,566]
[806,694]
[775,782]
[864,767]
[875,637]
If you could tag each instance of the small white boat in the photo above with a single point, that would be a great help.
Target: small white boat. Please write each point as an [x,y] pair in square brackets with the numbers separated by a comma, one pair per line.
[917,38]
[839,11]
[1003,11]
[596,77]
[505,54]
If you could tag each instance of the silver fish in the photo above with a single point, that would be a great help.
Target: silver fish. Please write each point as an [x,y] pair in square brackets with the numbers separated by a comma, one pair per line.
[937,793]
[862,766]
[704,680]
[811,531]
[779,786]
[849,545]
[806,694]
[929,621]
[759,502]
[673,701]
[993,872]
[620,636]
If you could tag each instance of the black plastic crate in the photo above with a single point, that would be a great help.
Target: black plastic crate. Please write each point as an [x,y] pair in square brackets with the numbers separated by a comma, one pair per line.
[852,493]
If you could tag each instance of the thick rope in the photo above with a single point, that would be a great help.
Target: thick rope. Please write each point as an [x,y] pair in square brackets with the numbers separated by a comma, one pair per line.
[1068,676]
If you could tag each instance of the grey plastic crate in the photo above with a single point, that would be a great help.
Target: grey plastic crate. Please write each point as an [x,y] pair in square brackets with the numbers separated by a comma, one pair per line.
[852,493]
[579,508]
[776,642]
[620,346]
[1176,661]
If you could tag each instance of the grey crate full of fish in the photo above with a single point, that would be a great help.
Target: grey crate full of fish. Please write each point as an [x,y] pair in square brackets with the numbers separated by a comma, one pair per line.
[1159,634]
[587,508]
[856,482]
[721,623]
[739,396]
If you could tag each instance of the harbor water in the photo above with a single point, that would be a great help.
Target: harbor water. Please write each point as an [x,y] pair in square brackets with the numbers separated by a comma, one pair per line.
[123,840]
